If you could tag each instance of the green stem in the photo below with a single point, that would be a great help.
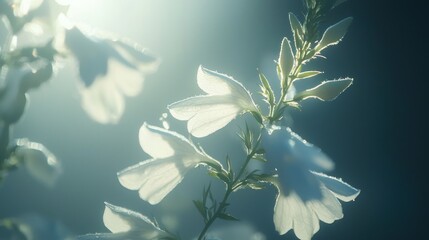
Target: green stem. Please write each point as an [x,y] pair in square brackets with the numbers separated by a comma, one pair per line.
[231,187]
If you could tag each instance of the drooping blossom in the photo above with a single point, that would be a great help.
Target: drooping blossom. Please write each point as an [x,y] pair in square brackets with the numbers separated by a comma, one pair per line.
[172,156]
[110,69]
[226,98]
[305,196]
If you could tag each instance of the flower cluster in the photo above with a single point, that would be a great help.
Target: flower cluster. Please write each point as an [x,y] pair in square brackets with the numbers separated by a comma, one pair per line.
[296,168]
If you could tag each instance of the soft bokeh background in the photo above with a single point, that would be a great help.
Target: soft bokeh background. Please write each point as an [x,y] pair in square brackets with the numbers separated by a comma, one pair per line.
[374,131]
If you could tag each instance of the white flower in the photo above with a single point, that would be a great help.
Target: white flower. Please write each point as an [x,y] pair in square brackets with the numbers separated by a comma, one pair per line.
[38,161]
[126,225]
[172,157]
[109,69]
[305,196]
[226,98]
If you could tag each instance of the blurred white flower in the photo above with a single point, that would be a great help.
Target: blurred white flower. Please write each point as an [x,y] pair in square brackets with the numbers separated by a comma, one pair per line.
[127,224]
[38,161]
[304,196]
[226,98]
[35,16]
[172,157]
[235,231]
[109,69]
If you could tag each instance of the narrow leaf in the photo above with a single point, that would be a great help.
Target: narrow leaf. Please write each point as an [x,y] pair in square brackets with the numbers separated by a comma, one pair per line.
[296,27]
[308,74]
[200,207]
[334,34]
[326,91]
[267,88]
[286,60]
[228,217]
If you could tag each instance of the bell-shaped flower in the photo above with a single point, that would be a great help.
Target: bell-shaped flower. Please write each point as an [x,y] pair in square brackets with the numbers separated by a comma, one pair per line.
[172,157]
[38,161]
[126,224]
[109,69]
[226,98]
[304,195]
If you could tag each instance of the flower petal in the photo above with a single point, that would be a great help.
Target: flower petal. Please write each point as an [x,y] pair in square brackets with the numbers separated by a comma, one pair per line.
[128,80]
[103,102]
[215,83]
[291,212]
[39,161]
[206,114]
[328,208]
[155,178]
[161,143]
[118,219]
[340,189]
[284,144]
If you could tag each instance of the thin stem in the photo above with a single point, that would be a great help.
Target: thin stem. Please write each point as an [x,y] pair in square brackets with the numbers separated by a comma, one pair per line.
[231,187]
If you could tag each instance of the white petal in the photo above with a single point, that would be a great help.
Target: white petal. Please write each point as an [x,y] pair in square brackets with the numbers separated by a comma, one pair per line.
[103,101]
[155,178]
[328,208]
[283,144]
[282,219]
[39,161]
[308,153]
[291,212]
[208,122]
[127,224]
[118,219]
[215,83]
[339,188]
[128,80]
[162,143]
[133,54]
[206,114]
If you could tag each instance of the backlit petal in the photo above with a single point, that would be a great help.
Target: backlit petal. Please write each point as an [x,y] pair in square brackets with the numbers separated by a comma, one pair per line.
[161,143]
[154,178]
[340,189]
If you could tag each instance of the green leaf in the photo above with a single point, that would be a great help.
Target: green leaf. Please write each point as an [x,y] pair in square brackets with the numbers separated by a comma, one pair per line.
[326,91]
[286,61]
[228,217]
[267,90]
[257,117]
[256,186]
[294,105]
[334,34]
[259,157]
[308,74]
[200,207]
[296,27]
